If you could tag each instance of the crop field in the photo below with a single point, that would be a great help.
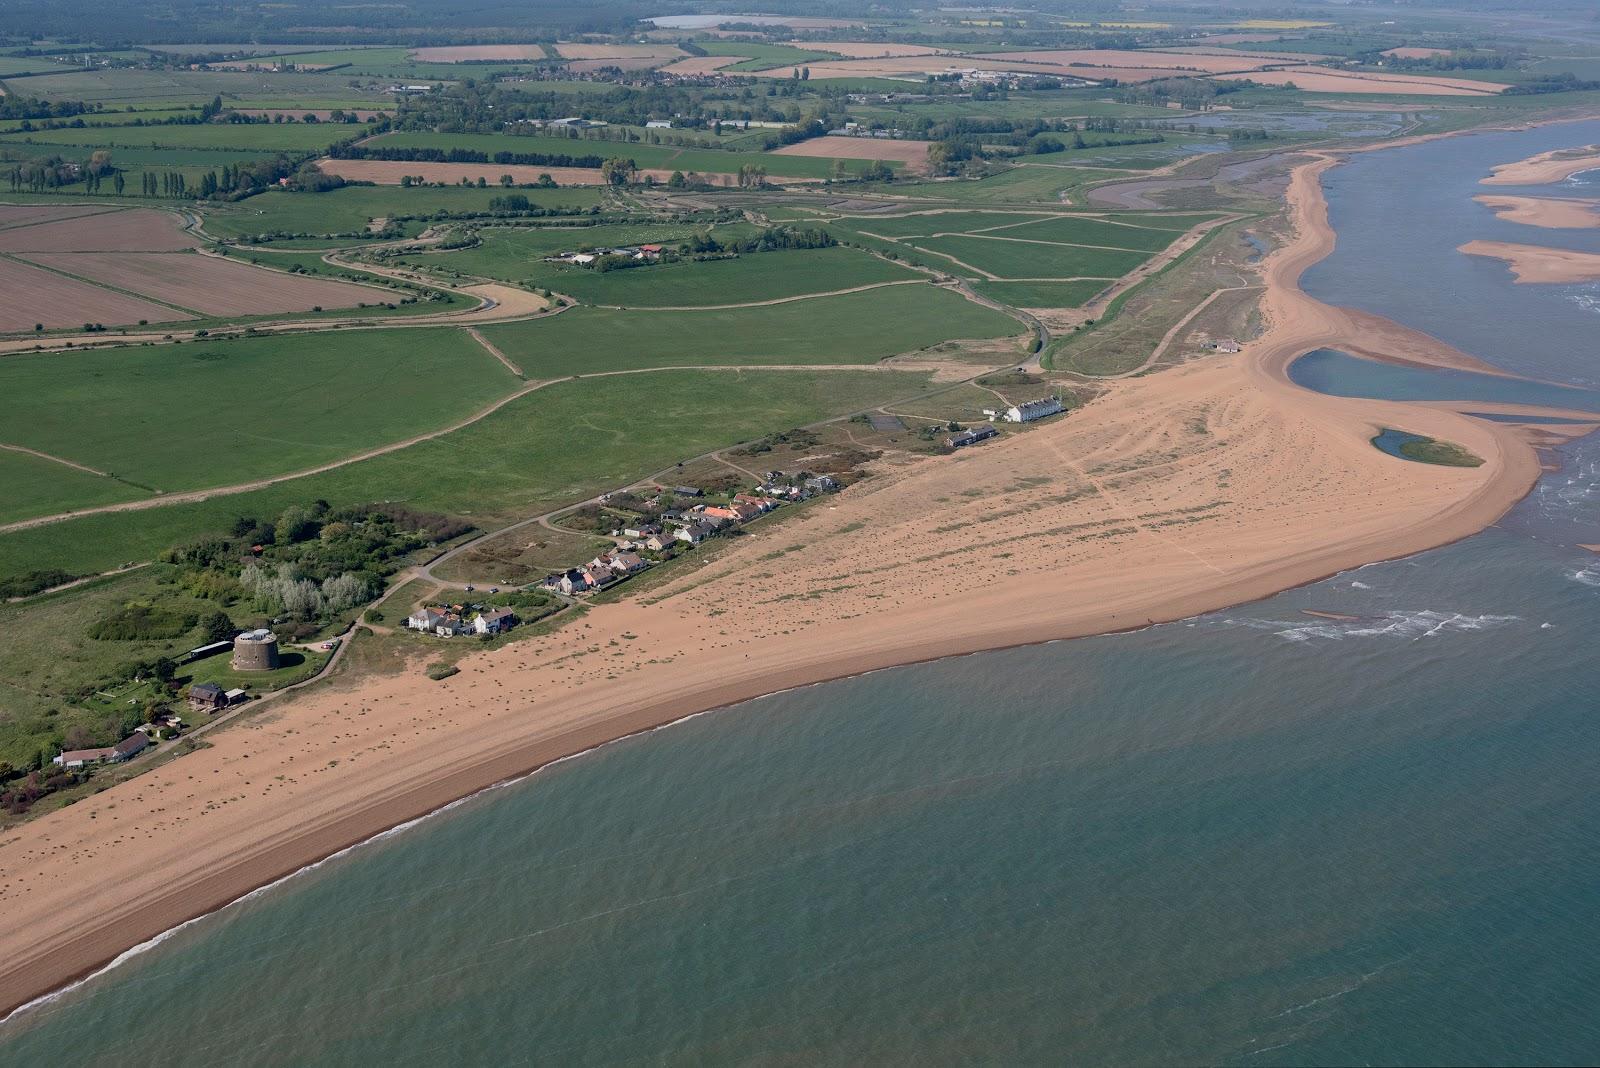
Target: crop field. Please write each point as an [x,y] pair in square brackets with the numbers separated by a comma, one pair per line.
[265,138]
[250,408]
[930,223]
[913,154]
[1087,231]
[348,210]
[30,214]
[1031,259]
[852,328]
[136,230]
[168,88]
[653,157]
[554,446]
[1042,294]
[755,56]
[206,284]
[758,276]
[30,296]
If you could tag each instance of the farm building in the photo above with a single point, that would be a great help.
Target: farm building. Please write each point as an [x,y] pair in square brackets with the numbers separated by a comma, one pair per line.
[1028,411]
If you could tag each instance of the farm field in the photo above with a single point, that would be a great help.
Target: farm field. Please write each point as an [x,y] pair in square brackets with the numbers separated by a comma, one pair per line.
[168,88]
[653,157]
[853,328]
[554,446]
[1030,259]
[1041,294]
[348,210]
[135,230]
[31,296]
[518,254]
[208,285]
[252,407]
[32,214]
[757,276]
[928,223]
[264,138]
[1087,231]
[35,486]
[914,154]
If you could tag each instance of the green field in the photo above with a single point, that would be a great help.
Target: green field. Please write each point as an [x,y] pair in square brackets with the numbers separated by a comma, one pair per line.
[1031,259]
[1041,294]
[149,88]
[349,209]
[38,487]
[260,138]
[658,157]
[758,276]
[554,446]
[518,254]
[1090,232]
[201,414]
[854,328]
[940,222]
[764,56]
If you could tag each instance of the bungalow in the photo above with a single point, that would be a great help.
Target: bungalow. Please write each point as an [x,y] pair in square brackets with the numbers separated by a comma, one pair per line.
[760,504]
[206,697]
[658,124]
[658,542]
[641,530]
[970,437]
[650,252]
[77,758]
[744,511]
[1034,409]
[597,576]
[719,512]
[822,483]
[494,621]
[129,747]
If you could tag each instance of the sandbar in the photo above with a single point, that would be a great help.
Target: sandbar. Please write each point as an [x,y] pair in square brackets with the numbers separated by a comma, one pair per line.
[1537,264]
[1550,212]
[1545,168]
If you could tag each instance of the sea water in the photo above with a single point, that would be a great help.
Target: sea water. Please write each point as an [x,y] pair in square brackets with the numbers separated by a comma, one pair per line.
[1357,822]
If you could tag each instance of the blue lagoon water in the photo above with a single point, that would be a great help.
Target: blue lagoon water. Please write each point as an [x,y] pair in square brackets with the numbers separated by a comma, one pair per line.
[1354,823]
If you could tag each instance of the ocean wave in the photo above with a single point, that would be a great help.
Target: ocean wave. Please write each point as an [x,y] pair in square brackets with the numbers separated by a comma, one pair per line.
[1412,626]
[1589,576]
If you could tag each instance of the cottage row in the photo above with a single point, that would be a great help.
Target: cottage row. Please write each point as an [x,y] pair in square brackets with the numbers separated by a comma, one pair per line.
[447,621]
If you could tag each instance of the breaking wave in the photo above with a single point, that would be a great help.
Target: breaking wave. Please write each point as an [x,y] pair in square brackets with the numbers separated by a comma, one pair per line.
[1412,626]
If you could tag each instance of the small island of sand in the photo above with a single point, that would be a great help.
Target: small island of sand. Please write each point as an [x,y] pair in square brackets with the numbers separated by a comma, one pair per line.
[1546,167]
[1549,212]
[1535,263]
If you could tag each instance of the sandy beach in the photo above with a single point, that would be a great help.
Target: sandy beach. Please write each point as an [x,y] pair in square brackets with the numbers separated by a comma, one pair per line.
[1182,491]
[1545,168]
[1548,212]
[1536,264]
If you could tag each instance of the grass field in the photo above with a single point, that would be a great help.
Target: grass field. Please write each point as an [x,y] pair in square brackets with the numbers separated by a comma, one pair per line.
[661,157]
[204,414]
[349,209]
[258,138]
[1041,294]
[518,254]
[36,487]
[555,446]
[764,56]
[1094,232]
[854,328]
[1031,259]
[145,88]
[940,222]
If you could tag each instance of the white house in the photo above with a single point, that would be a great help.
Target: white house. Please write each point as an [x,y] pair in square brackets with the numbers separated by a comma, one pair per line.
[658,124]
[1028,411]
[494,621]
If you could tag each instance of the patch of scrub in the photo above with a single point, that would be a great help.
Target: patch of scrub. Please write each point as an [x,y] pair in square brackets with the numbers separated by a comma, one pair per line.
[1415,447]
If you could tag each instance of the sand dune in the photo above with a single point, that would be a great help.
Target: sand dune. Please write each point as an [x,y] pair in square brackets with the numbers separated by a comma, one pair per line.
[1173,493]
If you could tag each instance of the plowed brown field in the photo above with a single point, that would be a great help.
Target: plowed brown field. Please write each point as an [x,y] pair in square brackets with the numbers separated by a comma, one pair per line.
[30,296]
[136,230]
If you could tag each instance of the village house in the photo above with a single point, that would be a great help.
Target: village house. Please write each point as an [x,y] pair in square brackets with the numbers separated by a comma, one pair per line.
[494,621]
[127,749]
[1028,411]
[694,533]
[760,504]
[626,563]
[658,542]
[206,697]
[570,582]
[439,621]
[641,530]
[822,483]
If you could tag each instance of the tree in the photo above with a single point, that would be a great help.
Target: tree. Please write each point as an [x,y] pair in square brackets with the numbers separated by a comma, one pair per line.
[217,627]
[507,181]
[677,181]
[617,171]
[117,182]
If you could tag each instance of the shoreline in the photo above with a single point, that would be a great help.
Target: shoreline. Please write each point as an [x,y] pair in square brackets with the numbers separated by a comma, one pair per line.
[43,965]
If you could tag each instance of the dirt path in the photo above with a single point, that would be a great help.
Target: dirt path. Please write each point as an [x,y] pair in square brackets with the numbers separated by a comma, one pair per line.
[55,459]
[1171,335]
[762,303]
[494,351]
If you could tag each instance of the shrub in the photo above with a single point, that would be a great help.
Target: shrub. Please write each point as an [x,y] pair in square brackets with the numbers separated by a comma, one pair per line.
[440,671]
[141,622]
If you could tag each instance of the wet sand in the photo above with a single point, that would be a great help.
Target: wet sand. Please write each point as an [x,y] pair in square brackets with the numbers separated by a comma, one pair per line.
[1545,168]
[1538,264]
[1172,494]
[1548,212]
